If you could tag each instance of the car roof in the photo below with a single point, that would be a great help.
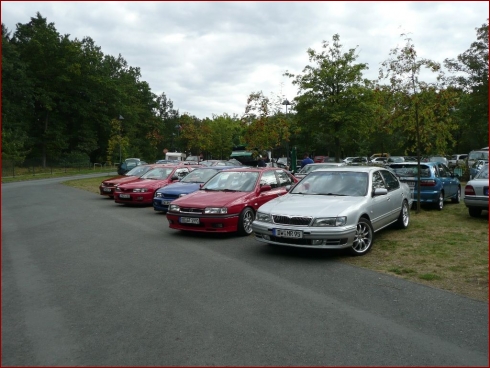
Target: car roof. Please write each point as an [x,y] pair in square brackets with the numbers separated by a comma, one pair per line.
[365,169]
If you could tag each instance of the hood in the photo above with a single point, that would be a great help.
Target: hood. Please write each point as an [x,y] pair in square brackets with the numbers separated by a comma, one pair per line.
[121,180]
[203,198]
[311,205]
[145,183]
[180,188]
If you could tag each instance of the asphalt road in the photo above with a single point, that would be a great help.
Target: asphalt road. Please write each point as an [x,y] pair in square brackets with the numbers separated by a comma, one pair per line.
[88,282]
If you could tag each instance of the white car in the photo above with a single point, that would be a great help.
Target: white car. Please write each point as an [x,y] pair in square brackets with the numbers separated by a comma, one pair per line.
[476,193]
[315,166]
[335,208]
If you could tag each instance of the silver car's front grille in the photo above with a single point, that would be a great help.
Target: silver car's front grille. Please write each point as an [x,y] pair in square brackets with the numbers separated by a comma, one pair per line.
[292,220]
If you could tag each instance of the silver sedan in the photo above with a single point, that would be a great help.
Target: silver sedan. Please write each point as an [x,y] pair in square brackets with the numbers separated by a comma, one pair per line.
[335,208]
[476,193]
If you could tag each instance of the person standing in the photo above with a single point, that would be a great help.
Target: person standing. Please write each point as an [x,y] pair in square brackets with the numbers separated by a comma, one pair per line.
[261,162]
[306,160]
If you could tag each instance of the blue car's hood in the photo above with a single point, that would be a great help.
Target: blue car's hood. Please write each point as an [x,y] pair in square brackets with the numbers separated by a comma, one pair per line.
[179,188]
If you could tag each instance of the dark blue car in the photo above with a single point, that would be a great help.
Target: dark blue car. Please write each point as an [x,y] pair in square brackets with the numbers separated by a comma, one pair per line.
[437,182]
[190,183]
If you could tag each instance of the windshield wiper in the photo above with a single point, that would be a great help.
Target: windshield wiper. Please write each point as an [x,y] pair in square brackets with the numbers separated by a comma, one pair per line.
[333,194]
[229,190]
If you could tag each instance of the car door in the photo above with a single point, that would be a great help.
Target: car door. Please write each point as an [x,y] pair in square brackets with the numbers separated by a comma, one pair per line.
[380,206]
[448,182]
[395,193]
[269,178]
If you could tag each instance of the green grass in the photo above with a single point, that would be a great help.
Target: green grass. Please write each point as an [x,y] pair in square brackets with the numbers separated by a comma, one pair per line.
[24,175]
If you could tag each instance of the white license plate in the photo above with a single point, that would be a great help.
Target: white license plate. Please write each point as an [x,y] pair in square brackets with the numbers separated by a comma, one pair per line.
[107,190]
[288,233]
[124,196]
[166,203]
[189,220]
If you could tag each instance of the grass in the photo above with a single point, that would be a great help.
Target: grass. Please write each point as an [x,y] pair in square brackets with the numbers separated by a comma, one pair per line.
[445,249]
[27,174]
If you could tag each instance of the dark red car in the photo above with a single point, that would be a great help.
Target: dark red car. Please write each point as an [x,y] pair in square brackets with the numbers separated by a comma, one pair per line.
[107,187]
[229,200]
[142,190]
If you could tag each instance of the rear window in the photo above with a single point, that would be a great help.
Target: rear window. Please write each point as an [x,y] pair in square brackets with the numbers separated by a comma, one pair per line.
[410,170]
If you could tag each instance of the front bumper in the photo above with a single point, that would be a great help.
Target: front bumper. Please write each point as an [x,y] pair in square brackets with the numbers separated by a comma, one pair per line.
[207,223]
[107,191]
[313,237]
[134,198]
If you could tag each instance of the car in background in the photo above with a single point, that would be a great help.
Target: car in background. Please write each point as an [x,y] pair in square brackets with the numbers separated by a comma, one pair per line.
[190,183]
[221,163]
[456,160]
[108,186]
[358,161]
[335,208]
[476,167]
[437,182]
[379,160]
[228,201]
[128,164]
[476,193]
[192,160]
[165,161]
[441,159]
[315,166]
[475,155]
[284,162]
[348,159]
[142,190]
[393,159]
[318,159]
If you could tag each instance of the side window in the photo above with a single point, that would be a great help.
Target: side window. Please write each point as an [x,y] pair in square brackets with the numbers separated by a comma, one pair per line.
[269,178]
[442,171]
[284,178]
[391,181]
[378,181]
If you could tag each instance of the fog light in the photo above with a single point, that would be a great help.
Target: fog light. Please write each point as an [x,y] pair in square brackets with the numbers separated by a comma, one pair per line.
[139,198]
[318,242]
[266,237]
[218,225]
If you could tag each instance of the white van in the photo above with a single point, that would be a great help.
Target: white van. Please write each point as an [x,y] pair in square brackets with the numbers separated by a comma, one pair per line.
[175,156]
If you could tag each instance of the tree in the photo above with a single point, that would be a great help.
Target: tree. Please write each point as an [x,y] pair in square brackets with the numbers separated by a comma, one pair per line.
[422,109]
[331,101]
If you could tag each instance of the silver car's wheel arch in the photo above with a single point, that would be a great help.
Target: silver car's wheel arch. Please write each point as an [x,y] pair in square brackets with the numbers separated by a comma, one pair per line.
[364,237]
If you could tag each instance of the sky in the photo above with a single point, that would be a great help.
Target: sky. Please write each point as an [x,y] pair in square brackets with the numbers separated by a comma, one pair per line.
[208,57]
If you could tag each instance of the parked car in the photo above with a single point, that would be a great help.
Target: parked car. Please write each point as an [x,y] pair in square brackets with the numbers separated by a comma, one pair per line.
[284,162]
[476,193]
[442,159]
[318,159]
[221,163]
[315,166]
[358,161]
[165,161]
[379,160]
[456,160]
[108,186]
[476,167]
[190,183]
[437,182]
[393,159]
[335,208]
[229,200]
[348,159]
[142,190]
[475,155]
[128,164]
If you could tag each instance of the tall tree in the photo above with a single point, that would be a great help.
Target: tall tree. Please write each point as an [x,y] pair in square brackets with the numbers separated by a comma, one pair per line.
[332,95]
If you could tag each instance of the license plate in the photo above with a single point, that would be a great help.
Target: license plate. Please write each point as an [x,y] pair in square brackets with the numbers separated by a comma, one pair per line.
[124,196]
[485,191]
[189,220]
[288,233]
[166,203]
[107,190]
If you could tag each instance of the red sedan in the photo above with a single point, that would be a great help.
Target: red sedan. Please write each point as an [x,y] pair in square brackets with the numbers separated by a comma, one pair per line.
[229,200]
[108,186]
[141,190]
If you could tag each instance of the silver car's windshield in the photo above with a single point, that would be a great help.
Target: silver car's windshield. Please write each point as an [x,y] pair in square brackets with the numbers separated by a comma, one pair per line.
[199,176]
[341,183]
[232,181]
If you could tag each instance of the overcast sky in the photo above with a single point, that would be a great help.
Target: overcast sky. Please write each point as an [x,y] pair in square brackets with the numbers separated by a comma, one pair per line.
[207,57]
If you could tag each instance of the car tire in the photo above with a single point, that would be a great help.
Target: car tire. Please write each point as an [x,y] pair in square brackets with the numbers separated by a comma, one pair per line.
[404,218]
[474,211]
[247,216]
[457,199]
[439,205]
[364,238]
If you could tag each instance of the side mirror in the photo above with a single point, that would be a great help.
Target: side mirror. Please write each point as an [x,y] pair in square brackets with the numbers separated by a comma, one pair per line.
[175,177]
[265,188]
[380,191]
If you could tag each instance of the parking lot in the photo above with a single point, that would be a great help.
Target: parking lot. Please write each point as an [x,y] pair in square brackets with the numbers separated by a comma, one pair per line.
[88,282]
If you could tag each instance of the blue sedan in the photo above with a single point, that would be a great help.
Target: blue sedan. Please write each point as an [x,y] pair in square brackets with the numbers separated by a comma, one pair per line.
[437,182]
[190,183]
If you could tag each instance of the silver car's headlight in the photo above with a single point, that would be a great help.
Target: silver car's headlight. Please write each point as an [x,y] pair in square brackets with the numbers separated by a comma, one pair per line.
[330,221]
[216,210]
[158,195]
[140,190]
[265,217]
[183,194]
